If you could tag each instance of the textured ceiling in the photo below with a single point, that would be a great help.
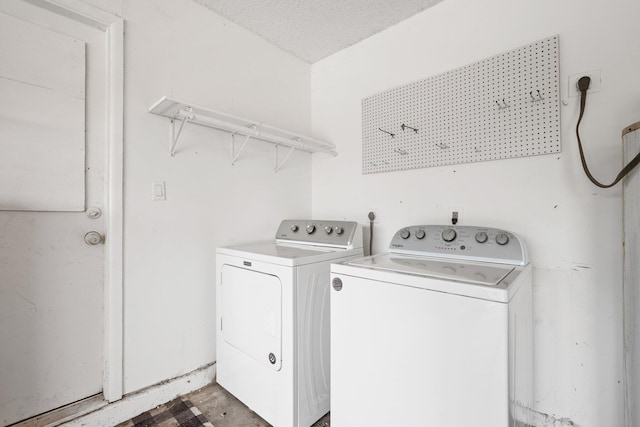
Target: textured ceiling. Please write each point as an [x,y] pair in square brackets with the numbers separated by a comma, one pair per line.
[314,29]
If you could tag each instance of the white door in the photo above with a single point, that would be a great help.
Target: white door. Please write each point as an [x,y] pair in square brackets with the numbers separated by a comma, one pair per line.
[51,280]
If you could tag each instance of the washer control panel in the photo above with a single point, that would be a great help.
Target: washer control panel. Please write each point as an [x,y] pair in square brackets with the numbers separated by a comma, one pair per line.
[342,234]
[461,242]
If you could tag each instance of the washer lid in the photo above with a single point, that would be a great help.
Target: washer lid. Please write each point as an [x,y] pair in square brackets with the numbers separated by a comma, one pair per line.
[452,270]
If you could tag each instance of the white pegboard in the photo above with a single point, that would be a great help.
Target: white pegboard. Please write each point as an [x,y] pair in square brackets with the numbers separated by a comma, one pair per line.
[502,107]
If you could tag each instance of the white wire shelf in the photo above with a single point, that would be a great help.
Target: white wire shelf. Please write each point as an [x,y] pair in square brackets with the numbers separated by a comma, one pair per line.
[181,113]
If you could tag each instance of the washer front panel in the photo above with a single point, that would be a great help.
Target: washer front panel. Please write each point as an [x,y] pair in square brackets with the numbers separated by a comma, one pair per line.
[444,357]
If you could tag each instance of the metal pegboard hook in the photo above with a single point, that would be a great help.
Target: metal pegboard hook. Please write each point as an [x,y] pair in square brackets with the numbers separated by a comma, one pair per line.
[403,126]
[537,97]
[393,135]
[502,105]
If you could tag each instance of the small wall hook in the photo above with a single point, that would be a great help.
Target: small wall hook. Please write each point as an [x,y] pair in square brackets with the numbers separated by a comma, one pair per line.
[502,105]
[536,98]
[400,151]
[387,132]
[375,165]
[403,126]
[442,145]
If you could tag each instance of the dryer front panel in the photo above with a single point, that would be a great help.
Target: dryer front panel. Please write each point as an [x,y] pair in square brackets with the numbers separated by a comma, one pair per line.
[252,314]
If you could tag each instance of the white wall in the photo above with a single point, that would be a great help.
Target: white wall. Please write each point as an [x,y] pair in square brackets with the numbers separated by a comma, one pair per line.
[181,49]
[572,228]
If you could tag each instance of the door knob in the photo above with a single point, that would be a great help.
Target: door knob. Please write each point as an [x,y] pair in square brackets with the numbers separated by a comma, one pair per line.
[93,238]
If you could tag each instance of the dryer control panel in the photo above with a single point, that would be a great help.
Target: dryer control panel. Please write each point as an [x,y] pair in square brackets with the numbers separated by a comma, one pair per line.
[338,234]
[460,242]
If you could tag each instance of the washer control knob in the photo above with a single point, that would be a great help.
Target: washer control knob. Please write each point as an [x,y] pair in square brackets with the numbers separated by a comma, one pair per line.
[420,234]
[328,230]
[405,234]
[502,239]
[311,228]
[449,235]
[481,237]
[336,283]
[294,228]
[339,230]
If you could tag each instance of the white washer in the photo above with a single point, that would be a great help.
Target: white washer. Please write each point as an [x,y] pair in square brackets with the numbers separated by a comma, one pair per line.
[272,319]
[437,332]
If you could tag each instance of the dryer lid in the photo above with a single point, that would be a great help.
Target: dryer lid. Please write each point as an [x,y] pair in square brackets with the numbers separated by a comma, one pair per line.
[437,268]
[287,254]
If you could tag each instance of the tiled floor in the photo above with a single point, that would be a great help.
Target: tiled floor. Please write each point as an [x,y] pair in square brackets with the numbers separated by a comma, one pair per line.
[224,410]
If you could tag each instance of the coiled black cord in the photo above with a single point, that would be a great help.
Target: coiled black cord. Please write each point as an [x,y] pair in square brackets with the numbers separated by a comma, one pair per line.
[583,86]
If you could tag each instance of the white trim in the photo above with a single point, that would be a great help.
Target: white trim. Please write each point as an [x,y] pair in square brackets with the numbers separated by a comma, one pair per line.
[113,27]
[136,403]
[113,304]
[79,11]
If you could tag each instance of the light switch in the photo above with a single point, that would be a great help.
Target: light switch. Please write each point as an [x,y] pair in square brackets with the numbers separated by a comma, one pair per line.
[158,191]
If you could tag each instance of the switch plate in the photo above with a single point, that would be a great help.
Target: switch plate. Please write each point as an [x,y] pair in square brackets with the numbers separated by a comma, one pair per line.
[158,191]
[594,85]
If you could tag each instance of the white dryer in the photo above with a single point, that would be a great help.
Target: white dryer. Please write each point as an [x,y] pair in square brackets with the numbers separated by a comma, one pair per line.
[272,315]
[436,332]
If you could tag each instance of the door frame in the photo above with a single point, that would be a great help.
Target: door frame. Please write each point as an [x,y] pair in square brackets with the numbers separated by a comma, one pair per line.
[113,28]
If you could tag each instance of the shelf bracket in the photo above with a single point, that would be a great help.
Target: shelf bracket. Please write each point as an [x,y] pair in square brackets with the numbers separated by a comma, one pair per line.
[278,166]
[173,138]
[234,153]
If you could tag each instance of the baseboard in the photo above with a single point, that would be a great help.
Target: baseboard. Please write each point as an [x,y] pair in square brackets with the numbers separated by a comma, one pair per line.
[141,401]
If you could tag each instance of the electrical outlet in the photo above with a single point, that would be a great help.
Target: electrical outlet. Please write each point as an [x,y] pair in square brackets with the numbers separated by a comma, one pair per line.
[594,85]
[158,191]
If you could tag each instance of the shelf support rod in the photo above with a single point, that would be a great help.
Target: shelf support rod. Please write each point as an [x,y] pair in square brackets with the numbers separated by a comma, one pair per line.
[234,153]
[277,166]
[175,136]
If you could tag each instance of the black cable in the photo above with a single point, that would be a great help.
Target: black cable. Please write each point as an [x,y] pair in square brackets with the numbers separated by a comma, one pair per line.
[372,216]
[583,85]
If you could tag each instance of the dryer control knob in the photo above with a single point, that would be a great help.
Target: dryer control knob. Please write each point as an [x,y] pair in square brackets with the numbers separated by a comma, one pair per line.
[405,234]
[420,234]
[311,228]
[328,230]
[339,230]
[502,239]
[481,237]
[294,228]
[449,235]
